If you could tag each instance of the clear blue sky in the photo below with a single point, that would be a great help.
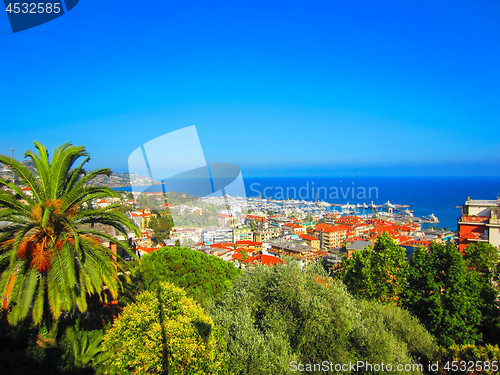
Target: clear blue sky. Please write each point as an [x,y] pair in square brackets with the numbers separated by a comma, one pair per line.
[278,88]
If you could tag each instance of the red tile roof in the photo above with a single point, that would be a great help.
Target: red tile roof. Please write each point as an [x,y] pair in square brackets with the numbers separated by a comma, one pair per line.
[308,238]
[331,228]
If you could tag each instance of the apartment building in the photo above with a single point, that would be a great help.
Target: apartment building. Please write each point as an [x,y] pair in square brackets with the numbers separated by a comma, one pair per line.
[479,222]
[330,236]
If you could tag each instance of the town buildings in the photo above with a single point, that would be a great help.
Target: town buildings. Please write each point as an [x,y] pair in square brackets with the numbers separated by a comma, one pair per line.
[265,238]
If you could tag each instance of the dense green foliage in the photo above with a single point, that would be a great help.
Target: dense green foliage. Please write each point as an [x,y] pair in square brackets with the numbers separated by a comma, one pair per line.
[51,257]
[164,332]
[275,315]
[393,326]
[444,294]
[377,274]
[483,260]
[203,277]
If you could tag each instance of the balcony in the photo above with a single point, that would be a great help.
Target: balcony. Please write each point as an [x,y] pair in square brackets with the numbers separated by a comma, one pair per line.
[478,220]
[476,237]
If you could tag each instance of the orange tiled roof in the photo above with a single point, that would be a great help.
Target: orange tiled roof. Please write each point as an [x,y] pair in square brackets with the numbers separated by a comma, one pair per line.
[308,238]
[331,228]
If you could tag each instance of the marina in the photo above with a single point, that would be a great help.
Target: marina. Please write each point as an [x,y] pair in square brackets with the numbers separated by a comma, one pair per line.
[317,209]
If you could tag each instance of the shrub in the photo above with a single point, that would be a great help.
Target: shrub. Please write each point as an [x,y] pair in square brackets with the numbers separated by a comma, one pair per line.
[164,332]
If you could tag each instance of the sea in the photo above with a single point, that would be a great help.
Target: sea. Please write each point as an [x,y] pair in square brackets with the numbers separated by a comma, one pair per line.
[424,195]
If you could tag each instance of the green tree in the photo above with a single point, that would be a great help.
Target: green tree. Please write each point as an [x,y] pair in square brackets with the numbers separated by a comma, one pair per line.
[203,277]
[51,256]
[161,226]
[444,295]
[482,259]
[379,273]
[273,316]
[164,332]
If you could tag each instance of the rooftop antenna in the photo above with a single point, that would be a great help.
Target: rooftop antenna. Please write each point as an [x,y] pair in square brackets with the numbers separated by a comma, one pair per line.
[11,150]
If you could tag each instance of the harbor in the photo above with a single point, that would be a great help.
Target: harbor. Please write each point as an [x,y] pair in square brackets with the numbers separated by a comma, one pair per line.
[317,209]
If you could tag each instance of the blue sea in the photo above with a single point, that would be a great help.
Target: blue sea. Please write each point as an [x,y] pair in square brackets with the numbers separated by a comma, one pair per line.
[424,195]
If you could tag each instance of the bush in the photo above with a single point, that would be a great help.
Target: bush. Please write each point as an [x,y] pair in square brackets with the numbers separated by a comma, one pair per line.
[164,332]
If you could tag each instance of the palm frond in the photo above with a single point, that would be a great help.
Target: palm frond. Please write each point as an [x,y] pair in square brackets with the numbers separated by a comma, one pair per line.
[87,194]
[42,166]
[39,301]
[8,201]
[27,177]
[74,176]
[16,189]
[62,161]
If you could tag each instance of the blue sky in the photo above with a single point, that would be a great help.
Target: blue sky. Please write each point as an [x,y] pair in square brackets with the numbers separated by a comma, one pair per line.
[278,88]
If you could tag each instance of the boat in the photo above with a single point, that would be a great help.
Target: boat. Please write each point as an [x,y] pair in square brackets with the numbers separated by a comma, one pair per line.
[388,205]
[432,218]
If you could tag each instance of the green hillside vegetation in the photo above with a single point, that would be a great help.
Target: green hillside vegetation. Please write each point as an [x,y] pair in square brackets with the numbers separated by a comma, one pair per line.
[273,316]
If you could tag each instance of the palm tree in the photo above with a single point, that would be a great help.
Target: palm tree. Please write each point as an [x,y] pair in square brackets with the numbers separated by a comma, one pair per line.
[51,254]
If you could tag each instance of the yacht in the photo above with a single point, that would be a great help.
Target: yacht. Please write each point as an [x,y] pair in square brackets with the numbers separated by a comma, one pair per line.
[431,218]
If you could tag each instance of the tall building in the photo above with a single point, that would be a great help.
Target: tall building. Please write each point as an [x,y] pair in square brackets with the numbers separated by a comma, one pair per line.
[330,236]
[479,222]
